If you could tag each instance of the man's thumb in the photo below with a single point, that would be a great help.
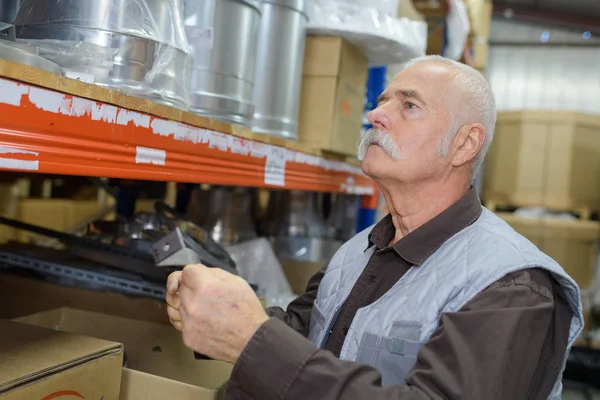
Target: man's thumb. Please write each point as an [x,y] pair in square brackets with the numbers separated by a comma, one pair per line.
[193,274]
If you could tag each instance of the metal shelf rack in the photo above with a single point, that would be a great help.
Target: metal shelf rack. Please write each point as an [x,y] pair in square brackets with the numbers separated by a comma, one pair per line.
[51,124]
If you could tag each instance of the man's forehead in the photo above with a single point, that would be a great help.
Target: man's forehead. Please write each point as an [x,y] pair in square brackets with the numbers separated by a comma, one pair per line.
[424,72]
[424,78]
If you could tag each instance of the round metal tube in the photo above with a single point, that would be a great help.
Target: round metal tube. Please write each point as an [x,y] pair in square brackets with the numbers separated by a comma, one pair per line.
[223,38]
[280,57]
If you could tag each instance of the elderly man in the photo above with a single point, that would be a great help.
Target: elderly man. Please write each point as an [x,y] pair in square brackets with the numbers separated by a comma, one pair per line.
[439,300]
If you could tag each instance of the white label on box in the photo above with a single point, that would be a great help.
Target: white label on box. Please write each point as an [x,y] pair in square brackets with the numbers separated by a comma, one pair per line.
[275,166]
[80,76]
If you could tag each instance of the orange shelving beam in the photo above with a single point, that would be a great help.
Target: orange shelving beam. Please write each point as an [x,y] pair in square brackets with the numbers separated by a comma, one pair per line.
[48,131]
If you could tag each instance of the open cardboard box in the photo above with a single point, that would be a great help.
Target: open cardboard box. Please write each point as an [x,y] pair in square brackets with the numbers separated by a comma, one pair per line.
[16,300]
[158,365]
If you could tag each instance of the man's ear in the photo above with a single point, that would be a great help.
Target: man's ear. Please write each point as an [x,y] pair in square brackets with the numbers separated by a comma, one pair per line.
[469,141]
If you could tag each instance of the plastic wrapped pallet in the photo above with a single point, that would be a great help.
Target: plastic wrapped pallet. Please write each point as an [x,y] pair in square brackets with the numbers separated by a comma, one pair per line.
[136,46]
[459,27]
[372,26]
[383,7]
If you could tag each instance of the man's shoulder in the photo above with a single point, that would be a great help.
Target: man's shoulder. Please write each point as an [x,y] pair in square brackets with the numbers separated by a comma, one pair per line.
[536,280]
[491,234]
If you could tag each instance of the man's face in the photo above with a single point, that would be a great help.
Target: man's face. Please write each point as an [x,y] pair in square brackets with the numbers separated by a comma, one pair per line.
[412,115]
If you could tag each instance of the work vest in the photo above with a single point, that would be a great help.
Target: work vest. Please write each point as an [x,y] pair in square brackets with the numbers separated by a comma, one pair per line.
[388,333]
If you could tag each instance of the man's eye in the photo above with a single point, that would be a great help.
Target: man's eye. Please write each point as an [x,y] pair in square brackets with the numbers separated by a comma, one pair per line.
[409,106]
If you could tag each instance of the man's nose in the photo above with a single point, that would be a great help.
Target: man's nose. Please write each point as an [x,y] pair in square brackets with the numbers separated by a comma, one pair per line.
[379,118]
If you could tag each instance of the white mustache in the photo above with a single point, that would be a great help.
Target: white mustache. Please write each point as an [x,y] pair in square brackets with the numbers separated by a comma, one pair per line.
[381,138]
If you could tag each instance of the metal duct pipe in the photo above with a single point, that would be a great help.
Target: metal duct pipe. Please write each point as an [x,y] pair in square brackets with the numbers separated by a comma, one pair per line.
[223,37]
[280,59]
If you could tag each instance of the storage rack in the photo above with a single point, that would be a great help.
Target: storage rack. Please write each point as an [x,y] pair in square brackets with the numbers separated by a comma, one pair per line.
[56,125]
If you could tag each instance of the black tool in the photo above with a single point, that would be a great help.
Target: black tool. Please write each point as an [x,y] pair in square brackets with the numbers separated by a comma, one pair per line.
[126,258]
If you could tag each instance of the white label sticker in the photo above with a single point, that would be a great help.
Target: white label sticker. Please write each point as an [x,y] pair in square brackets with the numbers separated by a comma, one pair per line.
[200,36]
[146,155]
[275,166]
[80,76]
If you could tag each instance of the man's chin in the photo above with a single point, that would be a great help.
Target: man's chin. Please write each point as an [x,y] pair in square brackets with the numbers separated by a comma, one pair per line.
[376,162]
[368,164]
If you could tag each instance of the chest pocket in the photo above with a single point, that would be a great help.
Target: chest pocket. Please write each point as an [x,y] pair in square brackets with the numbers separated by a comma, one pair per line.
[393,355]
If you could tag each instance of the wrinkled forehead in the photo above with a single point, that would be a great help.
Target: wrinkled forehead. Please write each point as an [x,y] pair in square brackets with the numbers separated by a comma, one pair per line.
[433,81]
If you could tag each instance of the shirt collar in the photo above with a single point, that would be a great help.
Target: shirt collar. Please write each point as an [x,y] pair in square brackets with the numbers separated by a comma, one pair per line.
[419,244]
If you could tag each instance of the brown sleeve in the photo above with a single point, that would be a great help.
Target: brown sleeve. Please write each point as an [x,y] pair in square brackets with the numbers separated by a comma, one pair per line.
[507,343]
[297,315]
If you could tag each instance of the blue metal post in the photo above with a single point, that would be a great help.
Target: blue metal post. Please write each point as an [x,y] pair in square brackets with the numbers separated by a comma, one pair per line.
[375,86]
[126,197]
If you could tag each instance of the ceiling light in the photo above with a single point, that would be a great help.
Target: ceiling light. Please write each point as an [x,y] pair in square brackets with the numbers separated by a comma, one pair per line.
[544,37]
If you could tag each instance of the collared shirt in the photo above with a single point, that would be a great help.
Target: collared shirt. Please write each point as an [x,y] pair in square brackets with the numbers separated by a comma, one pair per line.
[508,342]
[389,263]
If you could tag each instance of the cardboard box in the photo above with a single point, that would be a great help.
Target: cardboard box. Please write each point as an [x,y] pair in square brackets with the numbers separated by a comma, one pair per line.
[38,363]
[136,385]
[544,158]
[57,214]
[9,208]
[435,15]
[16,300]
[333,93]
[406,9]
[159,366]
[571,243]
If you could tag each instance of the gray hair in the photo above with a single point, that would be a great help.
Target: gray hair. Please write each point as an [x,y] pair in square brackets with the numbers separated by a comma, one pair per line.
[477,104]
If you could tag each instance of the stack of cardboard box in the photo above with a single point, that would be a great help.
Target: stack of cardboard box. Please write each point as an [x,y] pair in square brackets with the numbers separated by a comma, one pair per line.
[545,158]
[571,243]
[550,160]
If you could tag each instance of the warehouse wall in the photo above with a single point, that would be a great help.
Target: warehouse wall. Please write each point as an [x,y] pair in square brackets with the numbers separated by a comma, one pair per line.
[526,74]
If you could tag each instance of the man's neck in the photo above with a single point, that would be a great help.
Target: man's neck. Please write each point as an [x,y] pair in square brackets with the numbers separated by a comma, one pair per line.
[413,205]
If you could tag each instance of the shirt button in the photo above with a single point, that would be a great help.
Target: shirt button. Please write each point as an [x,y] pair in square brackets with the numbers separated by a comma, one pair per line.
[372,278]
[345,331]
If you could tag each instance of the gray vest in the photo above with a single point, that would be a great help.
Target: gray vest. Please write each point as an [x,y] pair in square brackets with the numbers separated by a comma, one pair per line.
[389,333]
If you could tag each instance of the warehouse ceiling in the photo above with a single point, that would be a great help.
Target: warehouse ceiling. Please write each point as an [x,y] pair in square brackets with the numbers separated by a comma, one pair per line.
[569,13]
[588,8]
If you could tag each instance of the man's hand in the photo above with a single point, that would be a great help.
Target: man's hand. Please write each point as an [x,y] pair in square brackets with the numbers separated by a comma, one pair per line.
[217,312]
[173,302]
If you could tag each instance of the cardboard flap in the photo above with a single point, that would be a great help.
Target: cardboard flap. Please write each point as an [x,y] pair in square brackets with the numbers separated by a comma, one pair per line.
[29,352]
[152,348]
[137,385]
